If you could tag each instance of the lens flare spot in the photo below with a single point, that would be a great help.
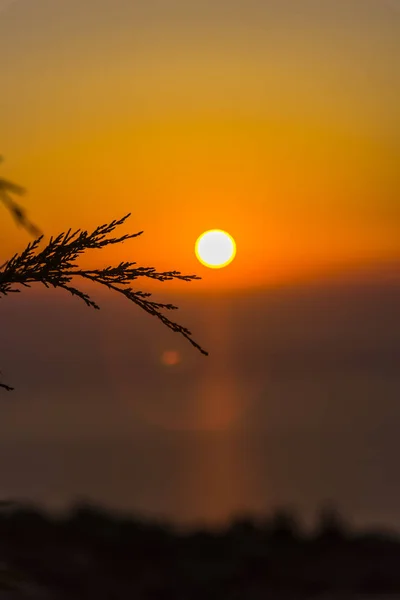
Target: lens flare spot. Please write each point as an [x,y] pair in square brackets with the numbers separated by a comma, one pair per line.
[170,358]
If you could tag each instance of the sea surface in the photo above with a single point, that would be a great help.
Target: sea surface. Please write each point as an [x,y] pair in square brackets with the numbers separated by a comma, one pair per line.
[297,405]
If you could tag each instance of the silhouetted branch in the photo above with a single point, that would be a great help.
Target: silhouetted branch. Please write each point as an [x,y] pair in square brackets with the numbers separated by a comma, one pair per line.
[55,266]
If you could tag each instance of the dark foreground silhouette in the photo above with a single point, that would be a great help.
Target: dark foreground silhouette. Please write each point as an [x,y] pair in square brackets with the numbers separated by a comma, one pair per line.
[91,553]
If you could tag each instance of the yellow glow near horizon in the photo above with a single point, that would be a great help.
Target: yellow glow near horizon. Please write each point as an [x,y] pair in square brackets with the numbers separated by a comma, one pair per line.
[215,248]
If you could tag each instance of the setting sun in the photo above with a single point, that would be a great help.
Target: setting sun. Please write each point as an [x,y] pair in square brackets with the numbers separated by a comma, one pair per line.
[215,248]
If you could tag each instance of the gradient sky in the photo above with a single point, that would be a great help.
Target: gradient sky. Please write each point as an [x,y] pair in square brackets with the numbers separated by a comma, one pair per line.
[277,120]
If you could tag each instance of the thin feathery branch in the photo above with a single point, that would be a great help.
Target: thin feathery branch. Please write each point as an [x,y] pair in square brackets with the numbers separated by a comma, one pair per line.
[55,266]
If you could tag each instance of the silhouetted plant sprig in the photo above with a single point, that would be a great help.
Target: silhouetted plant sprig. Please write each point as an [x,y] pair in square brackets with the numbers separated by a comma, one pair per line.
[55,266]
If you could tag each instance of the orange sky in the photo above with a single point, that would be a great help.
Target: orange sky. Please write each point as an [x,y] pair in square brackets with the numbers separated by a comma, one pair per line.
[276,121]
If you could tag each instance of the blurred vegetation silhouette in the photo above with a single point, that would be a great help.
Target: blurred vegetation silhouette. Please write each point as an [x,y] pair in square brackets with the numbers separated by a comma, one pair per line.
[7,190]
[89,552]
[56,266]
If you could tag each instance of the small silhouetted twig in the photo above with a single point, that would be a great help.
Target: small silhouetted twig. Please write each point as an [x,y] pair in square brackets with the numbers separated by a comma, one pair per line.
[55,266]
[17,211]
[6,387]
